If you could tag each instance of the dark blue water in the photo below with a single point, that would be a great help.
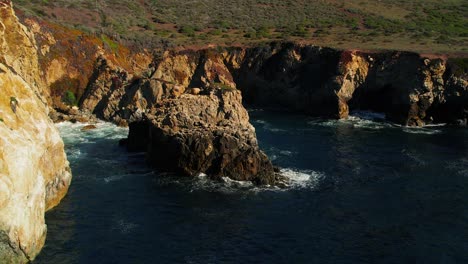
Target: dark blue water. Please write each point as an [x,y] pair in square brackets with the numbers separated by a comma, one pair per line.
[362,192]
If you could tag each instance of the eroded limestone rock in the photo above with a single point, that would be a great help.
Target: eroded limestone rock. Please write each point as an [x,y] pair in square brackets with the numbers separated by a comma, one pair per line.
[34,171]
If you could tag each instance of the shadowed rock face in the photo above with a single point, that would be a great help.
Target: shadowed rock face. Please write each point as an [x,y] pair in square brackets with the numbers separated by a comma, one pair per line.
[208,133]
[409,89]
[34,171]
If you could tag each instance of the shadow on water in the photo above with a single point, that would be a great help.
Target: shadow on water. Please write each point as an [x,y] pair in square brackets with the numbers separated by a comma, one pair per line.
[364,192]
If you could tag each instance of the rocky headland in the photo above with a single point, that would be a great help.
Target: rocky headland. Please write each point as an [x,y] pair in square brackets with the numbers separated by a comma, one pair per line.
[181,98]
[185,108]
[409,88]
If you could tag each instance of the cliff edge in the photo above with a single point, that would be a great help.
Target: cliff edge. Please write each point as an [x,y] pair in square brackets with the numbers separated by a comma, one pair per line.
[34,171]
[407,87]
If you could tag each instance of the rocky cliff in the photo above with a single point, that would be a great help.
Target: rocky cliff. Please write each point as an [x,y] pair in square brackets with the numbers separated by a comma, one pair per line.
[34,171]
[67,57]
[408,88]
[183,122]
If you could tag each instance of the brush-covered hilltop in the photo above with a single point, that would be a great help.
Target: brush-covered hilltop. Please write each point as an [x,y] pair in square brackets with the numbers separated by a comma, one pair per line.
[425,26]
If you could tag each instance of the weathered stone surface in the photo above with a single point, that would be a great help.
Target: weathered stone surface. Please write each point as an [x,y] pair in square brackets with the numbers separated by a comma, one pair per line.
[409,89]
[88,127]
[208,134]
[67,57]
[34,171]
[64,113]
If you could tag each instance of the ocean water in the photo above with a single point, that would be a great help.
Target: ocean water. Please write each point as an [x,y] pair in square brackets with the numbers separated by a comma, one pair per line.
[362,191]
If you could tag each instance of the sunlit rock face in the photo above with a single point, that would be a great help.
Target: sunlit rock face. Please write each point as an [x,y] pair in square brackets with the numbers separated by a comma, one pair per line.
[34,171]
[409,88]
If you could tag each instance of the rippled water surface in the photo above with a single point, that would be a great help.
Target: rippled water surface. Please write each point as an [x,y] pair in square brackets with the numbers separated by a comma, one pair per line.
[363,191]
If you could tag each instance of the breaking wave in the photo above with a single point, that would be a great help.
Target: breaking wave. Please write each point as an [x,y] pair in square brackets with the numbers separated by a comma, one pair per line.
[297,179]
[376,121]
[358,119]
[72,132]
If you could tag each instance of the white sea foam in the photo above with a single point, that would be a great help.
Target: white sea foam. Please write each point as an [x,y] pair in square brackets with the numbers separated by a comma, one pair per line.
[269,127]
[250,110]
[421,130]
[202,175]
[260,121]
[358,119]
[368,115]
[302,179]
[240,184]
[296,179]
[286,152]
[202,182]
[72,133]
[73,153]
[372,120]
[113,178]
[280,152]
[436,125]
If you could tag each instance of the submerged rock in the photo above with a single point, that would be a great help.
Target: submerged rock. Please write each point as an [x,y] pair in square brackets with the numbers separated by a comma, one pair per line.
[88,127]
[208,134]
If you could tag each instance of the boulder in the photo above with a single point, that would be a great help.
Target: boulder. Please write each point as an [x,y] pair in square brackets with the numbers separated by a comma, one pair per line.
[88,127]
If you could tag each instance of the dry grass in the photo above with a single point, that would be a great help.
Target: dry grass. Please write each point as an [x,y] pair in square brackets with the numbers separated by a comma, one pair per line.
[419,25]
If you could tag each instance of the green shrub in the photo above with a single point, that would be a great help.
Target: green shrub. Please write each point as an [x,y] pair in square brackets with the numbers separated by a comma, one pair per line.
[263,32]
[109,43]
[223,87]
[216,32]
[187,30]
[70,99]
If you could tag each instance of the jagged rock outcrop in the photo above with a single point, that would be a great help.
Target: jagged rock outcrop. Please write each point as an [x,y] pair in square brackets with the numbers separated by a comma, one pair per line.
[116,95]
[67,57]
[208,133]
[329,83]
[34,171]
[409,89]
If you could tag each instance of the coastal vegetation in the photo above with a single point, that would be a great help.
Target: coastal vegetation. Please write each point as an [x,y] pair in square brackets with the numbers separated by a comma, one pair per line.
[419,25]
[70,98]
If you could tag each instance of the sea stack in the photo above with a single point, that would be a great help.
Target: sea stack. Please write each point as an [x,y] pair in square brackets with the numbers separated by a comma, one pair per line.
[206,133]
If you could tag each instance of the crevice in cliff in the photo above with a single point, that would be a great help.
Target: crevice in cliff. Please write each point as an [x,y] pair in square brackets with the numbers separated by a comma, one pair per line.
[195,79]
[24,251]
